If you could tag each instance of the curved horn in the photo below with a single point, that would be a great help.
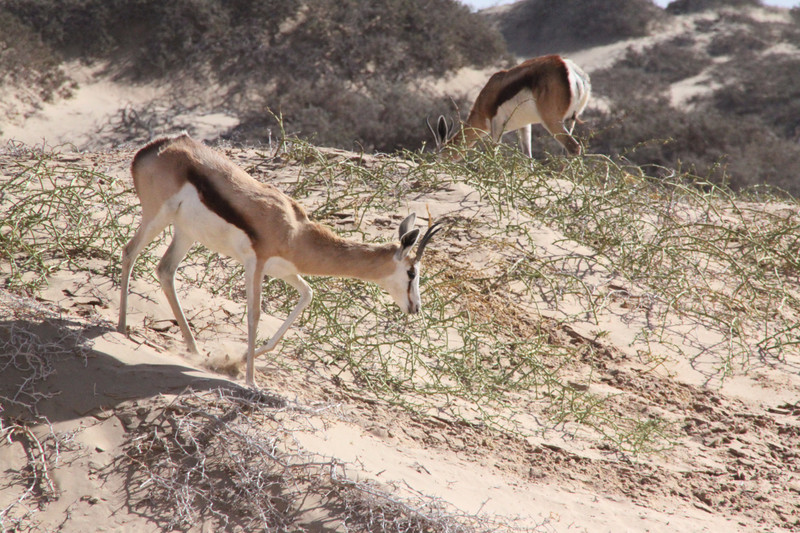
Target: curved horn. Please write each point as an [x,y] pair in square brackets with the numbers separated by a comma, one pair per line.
[432,230]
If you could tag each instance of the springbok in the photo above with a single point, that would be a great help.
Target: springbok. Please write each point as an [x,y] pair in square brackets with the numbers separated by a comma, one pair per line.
[207,198]
[547,90]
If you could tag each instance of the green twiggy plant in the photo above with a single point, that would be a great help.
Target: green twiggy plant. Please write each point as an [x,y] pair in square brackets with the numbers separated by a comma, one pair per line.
[58,214]
[699,248]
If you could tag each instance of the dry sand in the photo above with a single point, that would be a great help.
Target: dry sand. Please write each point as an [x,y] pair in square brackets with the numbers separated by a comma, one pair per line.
[734,466]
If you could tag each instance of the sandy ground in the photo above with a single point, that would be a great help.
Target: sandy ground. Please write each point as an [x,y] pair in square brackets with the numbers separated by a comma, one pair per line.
[102,112]
[734,466]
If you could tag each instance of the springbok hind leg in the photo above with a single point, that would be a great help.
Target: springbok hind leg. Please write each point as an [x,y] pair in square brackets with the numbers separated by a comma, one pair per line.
[143,236]
[524,138]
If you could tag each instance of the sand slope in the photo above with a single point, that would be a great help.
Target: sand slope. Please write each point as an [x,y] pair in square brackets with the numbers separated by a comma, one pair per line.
[79,400]
[97,393]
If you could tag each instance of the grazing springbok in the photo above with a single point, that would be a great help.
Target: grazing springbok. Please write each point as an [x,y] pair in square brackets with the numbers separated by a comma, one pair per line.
[546,90]
[207,198]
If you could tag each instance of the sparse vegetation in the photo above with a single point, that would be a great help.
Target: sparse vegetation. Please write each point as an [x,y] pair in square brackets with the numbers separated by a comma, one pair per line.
[669,230]
[48,223]
[768,91]
[740,134]
[678,7]
[663,252]
[229,458]
[737,43]
[25,61]
[664,63]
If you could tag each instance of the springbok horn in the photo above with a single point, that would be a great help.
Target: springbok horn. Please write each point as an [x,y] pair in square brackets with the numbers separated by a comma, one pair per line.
[433,230]
[436,137]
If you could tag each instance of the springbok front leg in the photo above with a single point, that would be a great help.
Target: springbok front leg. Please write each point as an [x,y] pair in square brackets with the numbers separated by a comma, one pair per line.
[524,138]
[306,295]
[559,131]
[180,245]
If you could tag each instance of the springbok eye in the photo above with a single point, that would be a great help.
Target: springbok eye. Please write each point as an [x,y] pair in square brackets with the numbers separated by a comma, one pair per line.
[411,273]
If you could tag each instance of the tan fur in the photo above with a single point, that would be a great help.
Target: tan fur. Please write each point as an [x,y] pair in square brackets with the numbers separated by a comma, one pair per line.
[546,78]
[282,226]
[258,225]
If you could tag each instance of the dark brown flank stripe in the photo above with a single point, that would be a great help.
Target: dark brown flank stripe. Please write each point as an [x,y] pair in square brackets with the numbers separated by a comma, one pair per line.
[212,199]
[526,81]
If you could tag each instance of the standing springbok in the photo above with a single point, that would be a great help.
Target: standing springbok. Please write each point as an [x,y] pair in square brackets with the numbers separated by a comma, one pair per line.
[207,198]
[547,90]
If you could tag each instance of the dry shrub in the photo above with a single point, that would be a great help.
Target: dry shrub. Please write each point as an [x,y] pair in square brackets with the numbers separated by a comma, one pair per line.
[537,27]
[27,61]
[681,7]
[736,43]
[338,72]
[666,62]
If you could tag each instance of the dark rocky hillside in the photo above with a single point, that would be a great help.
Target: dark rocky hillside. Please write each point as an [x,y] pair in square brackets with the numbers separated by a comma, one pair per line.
[538,27]
[313,63]
[710,86]
[671,88]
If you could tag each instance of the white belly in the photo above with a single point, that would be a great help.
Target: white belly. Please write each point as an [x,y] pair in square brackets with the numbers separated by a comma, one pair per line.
[515,113]
[278,267]
[203,225]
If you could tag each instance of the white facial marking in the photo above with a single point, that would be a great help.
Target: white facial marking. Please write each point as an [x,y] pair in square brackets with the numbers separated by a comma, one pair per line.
[403,287]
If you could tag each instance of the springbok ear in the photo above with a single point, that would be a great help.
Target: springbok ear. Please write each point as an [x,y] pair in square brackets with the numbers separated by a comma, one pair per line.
[407,224]
[407,241]
[443,128]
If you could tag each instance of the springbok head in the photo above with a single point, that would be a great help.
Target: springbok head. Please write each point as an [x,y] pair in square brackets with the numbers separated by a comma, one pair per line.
[403,283]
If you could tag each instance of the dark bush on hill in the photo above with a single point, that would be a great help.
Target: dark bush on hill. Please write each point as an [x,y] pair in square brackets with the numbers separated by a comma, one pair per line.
[335,69]
[350,39]
[736,42]
[352,120]
[767,91]
[538,27]
[680,7]
[667,62]
[744,133]
[26,61]
[654,134]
